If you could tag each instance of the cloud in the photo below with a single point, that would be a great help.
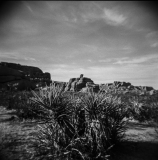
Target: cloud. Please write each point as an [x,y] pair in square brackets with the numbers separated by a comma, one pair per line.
[15,56]
[103,40]
[28,6]
[112,17]
[105,60]
[154,44]
[112,60]
[137,60]
[29,59]
[152,38]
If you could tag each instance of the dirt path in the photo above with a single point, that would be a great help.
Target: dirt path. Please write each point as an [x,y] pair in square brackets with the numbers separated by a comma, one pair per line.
[140,143]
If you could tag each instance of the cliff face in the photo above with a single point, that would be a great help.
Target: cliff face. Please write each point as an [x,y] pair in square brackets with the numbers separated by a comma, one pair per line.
[16,76]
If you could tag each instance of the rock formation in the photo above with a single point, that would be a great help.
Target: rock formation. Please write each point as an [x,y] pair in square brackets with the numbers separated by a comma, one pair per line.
[127,87]
[68,87]
[81,84]
[19,77]
[121,84]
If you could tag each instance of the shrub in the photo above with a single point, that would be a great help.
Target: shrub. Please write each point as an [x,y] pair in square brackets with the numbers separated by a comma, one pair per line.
[84,127]
[109,112]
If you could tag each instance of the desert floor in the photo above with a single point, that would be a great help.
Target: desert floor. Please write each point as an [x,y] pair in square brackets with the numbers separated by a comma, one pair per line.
[140,142]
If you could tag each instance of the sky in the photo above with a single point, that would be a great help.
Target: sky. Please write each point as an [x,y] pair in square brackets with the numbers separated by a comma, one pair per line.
[106,41]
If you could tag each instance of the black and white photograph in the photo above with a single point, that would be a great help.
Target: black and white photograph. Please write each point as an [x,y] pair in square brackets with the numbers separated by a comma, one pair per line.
[78,80]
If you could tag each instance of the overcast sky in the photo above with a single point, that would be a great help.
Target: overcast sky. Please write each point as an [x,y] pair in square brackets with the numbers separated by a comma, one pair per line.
[105,41]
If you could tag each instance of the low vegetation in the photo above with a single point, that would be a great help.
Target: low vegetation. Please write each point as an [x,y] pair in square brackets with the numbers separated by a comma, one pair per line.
[84,126]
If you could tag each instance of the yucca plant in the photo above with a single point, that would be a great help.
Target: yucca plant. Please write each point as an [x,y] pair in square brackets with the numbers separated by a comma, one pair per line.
[50,143]
[66,134]
[55,106]
[108,112]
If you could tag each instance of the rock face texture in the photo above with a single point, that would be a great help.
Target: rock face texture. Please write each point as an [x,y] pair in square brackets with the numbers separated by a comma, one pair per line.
[81,84]
[18,77]
[68,87]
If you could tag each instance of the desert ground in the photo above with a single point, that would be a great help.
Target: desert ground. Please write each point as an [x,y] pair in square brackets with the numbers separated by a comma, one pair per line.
[140,142]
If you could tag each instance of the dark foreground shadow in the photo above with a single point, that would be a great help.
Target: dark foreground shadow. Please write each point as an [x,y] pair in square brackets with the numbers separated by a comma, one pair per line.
[129,150]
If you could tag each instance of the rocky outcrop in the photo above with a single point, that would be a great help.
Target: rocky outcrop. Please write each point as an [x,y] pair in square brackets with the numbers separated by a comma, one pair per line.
[68,87]
[121,84]
[29,69]
[77,84]
[81,83]
[20,77]
[147,88]
[126,87]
